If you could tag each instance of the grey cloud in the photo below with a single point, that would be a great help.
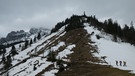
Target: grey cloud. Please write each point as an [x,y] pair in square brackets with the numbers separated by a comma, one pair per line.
[24,14]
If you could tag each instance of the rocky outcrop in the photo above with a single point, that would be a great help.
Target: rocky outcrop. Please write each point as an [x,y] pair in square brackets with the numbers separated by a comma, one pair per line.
[41,30]
[13,35]
[18,35]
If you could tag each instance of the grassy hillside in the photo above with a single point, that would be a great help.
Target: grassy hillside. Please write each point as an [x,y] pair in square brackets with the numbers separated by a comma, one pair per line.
[82,54]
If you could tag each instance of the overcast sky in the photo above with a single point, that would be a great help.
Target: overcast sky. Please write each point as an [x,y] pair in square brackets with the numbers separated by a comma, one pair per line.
[24,14]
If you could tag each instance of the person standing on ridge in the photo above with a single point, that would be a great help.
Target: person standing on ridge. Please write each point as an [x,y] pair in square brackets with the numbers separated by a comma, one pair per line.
[124,63]
[120,63]
[116,62]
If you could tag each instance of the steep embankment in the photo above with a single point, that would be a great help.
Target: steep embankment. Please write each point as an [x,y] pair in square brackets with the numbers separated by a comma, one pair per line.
[83,59]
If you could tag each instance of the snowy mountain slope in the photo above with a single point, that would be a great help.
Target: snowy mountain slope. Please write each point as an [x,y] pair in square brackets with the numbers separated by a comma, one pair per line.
[24,58]
[72,53]
[16,36]
[115,51]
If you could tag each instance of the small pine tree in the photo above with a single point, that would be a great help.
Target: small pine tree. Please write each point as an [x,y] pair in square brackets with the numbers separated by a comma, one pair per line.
[1,52]
[4,50]
[59,62]
[34,39]
[8,62]
[61,67]
[13,50]
[20,46]
[26,44]
[52,56]
[39,36]
[31,42]
[3,58]
[131,23]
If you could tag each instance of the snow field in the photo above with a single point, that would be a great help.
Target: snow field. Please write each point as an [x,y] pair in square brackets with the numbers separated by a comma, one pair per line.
[115,51]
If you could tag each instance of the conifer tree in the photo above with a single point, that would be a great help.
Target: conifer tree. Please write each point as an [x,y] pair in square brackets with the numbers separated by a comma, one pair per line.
[34,39]
[4,50]
[39,36]
[31,42]
[13,50]
[8,62]
[1,51]
[26,44]
[3,58]
[20,46]
[51,56]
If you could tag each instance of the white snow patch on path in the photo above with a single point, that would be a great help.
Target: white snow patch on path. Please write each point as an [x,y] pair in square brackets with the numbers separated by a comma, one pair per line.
[50,73]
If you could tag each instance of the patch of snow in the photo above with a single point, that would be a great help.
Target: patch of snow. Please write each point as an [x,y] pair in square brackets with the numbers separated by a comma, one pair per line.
[65,52]
[57,46]
[26,69]
[63,34]
[86,24]
[113,50]
[50,73]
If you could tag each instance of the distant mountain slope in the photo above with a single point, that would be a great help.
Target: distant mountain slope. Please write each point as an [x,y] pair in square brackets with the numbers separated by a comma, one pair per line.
[41,29]
[75,48]
[16,36]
